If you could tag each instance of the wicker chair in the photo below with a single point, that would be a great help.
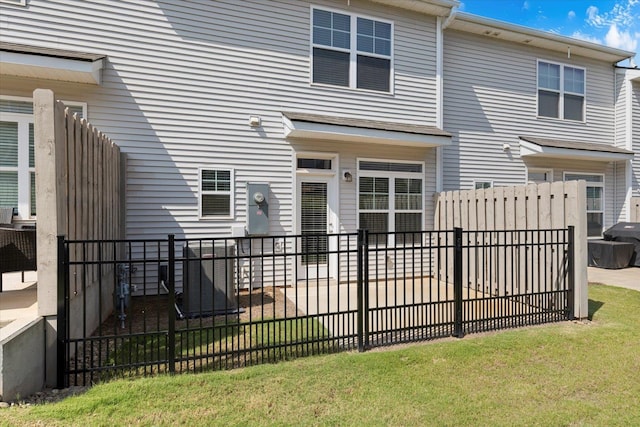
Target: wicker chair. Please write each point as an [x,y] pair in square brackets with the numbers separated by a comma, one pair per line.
[17,251]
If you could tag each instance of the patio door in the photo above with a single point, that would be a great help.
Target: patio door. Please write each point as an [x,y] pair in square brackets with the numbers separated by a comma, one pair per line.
[316,219]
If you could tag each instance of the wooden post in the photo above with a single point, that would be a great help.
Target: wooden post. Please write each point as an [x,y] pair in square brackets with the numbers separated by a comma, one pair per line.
[576,215]
[51,194]
[635,209]
[51,200]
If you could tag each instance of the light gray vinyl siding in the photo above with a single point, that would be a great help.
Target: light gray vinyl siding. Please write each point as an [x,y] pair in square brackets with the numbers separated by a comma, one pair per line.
[182,78]
[490,99]
[635,117]
[620,133]
[620,110]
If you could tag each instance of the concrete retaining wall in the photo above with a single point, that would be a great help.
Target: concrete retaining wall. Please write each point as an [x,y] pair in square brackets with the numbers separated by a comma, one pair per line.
[22,358]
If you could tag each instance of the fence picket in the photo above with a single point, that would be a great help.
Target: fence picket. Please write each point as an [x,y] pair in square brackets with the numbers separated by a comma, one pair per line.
[635,209]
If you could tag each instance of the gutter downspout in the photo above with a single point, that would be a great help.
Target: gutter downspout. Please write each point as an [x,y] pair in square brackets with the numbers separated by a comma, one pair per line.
[440,27]
[628,143]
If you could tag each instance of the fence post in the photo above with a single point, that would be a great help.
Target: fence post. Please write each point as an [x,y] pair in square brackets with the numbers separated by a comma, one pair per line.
[365,285]
[171,273]
[63,296]
[457,283]
[572,271]
[360,296]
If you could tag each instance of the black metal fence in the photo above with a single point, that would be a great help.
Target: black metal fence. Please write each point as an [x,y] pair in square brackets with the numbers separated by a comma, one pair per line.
[140,307]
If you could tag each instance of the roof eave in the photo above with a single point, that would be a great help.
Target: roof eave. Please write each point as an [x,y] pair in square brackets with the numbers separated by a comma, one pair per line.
[429,7]
[50,64]
[531,37]
[532,149]
[316,130]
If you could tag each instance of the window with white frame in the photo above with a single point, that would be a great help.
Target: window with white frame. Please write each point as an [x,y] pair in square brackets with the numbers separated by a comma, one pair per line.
[481,185]
[595,200]
[561,91]
[390,199]
[17,155]
[351,51]
[216,193]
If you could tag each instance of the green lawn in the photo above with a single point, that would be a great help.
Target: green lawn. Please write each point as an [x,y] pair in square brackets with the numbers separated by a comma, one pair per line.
[195,348]
[559,374]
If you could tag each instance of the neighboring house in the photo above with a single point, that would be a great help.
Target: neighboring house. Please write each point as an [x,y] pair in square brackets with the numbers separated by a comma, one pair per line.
[353,112]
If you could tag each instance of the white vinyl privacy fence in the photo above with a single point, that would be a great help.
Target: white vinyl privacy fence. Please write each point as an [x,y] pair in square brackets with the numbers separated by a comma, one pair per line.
[525,209]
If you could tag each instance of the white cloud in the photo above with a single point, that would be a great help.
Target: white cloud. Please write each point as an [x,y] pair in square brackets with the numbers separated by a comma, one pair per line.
[586,37]
[622,39]
[592,14]
[571,14]
[461,7]
[525,5]
[621,14]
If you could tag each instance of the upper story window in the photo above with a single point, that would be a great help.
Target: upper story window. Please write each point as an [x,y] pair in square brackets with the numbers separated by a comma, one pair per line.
[351,51]
[561,91]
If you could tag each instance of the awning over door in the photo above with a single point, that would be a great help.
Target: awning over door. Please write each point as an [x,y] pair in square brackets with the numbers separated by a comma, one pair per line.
[332,128]
[51,64]
[572,150]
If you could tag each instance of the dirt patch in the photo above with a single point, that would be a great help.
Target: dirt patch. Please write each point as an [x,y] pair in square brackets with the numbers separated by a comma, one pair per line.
[206,342]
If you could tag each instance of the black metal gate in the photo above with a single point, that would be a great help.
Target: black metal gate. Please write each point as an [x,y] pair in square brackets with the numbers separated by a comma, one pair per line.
[241,301]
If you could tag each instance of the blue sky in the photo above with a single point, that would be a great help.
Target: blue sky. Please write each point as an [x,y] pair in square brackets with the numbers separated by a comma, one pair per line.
[614,23]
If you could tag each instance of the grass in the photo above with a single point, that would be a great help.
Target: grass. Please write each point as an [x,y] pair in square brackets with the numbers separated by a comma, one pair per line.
[570,373]
[204,348]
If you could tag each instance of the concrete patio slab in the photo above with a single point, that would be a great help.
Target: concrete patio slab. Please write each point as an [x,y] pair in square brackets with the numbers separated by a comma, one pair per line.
[396,305]
[625,278]
[19,300]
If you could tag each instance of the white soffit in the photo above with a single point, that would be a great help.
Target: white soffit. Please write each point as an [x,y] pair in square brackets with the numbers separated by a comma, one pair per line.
[429,7]
[495,29]
[51,64]
[569,150]
[634,75]
[329,128]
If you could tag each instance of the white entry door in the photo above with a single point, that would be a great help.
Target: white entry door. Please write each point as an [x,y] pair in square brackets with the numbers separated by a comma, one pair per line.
[316,218]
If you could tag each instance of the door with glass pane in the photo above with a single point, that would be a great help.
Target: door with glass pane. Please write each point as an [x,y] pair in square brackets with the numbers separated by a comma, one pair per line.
[314,224]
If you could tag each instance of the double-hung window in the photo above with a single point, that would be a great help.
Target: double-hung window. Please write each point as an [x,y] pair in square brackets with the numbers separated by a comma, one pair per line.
[351,51]
[595,201]
[216,193]
[390,199]
[561,91]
